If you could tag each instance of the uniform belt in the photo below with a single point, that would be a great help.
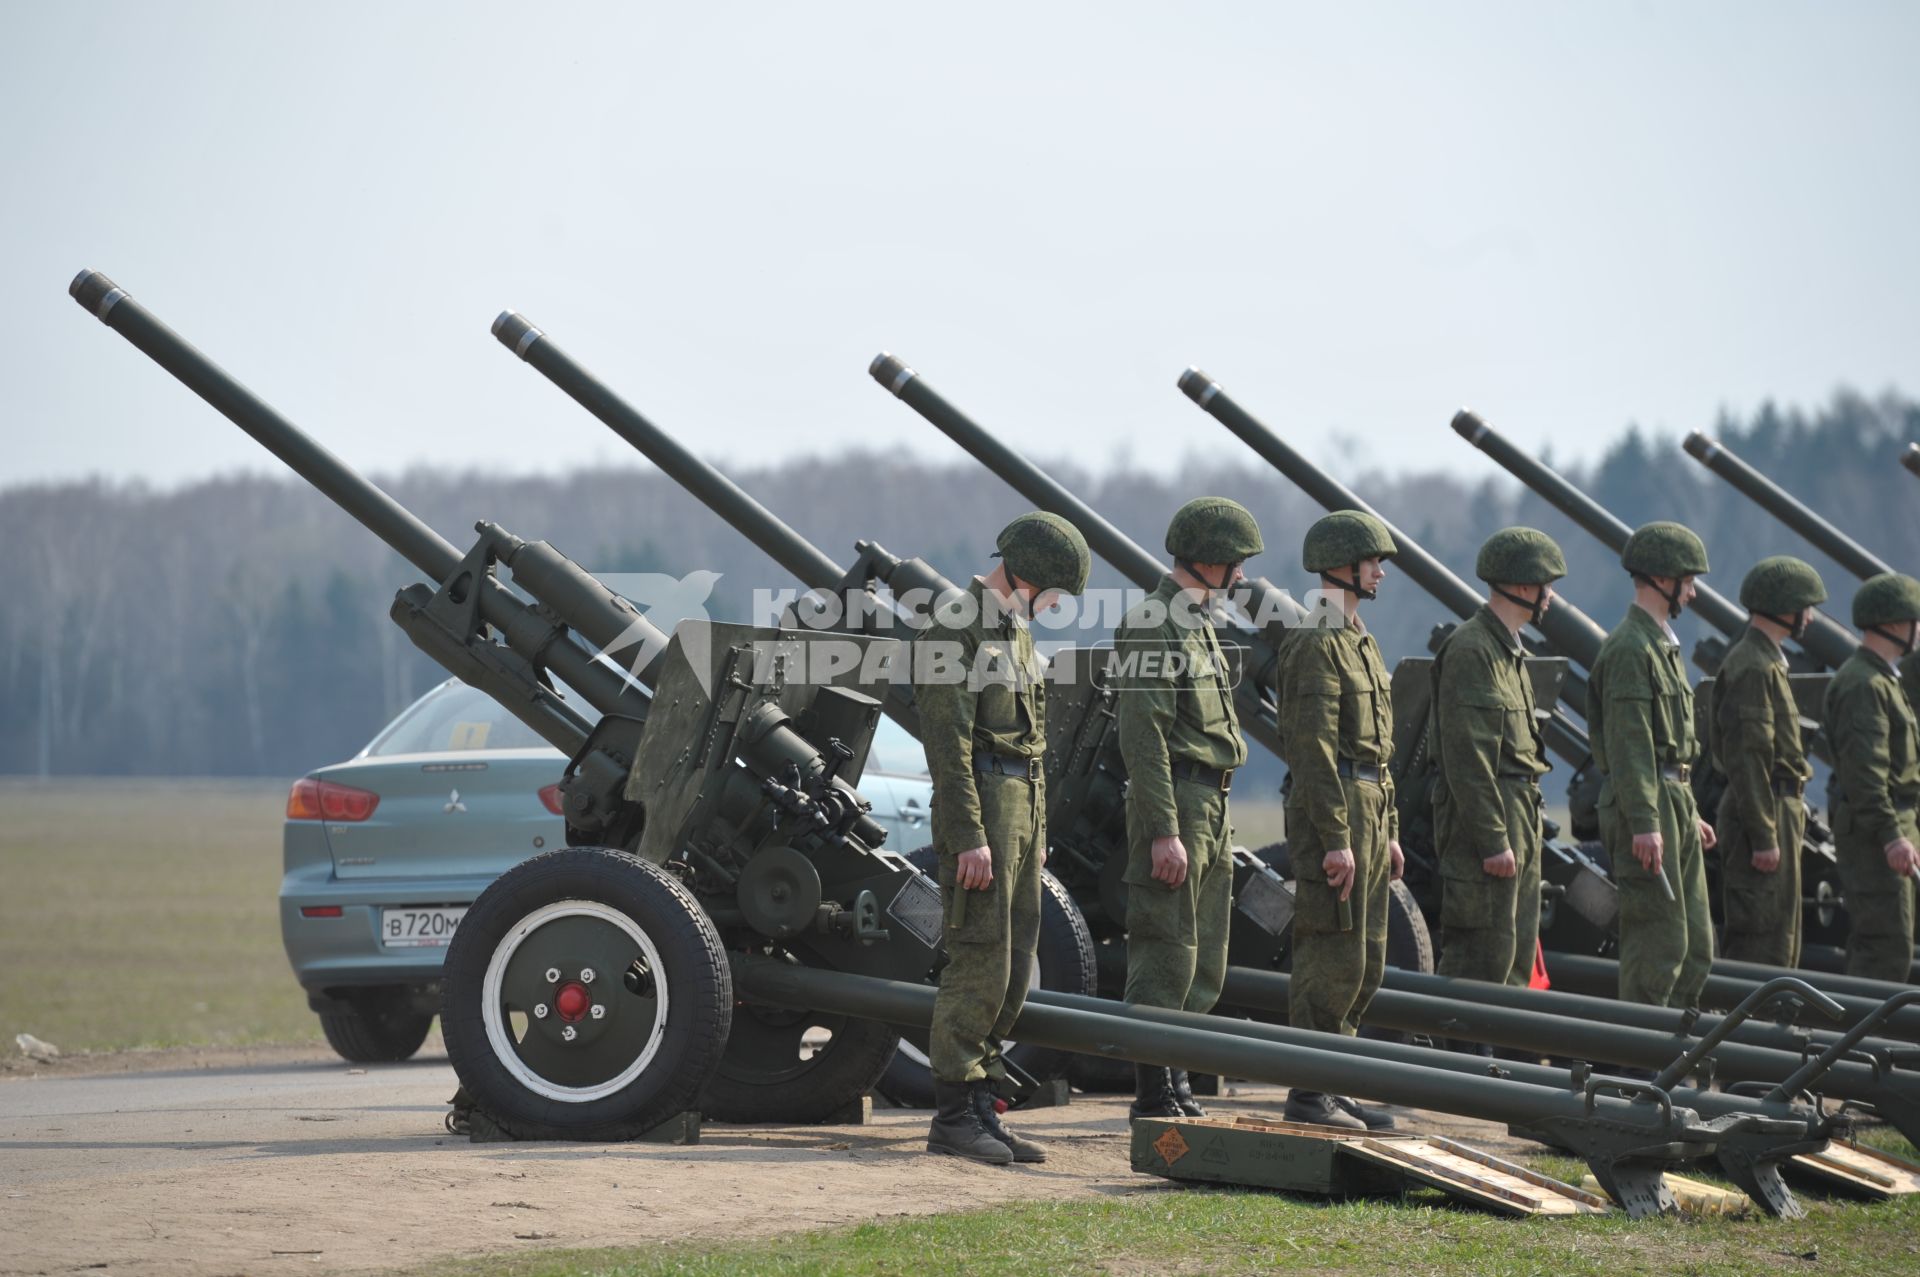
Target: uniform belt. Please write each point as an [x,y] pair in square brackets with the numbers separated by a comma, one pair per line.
[1682,772]
[1362,771]
[1789,786]
[988,763]
[1211,777]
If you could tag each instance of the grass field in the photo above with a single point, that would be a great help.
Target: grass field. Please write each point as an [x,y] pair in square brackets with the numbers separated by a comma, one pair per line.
[1225,1231]
[142,913]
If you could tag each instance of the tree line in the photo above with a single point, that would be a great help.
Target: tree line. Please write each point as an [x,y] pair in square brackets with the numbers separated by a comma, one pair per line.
[237,626]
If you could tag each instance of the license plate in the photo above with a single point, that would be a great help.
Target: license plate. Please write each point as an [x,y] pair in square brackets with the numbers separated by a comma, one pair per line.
[419,928]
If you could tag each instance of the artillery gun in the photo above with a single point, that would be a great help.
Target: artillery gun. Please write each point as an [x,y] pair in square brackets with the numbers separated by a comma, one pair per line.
[737,767]
[1824,536]
[1823,647]
[1570,874]
[1083,916]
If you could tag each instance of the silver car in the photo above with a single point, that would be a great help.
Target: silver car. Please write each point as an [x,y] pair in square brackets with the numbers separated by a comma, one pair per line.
[385,851]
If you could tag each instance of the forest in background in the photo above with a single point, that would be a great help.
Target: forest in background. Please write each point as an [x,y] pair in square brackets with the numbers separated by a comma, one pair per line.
[238,627]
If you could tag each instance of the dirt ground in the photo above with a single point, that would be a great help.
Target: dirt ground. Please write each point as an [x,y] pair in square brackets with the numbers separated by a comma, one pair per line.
[286,1160]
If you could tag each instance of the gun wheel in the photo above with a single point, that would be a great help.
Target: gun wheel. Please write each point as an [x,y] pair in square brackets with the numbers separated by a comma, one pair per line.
[586,997]
[796,1066]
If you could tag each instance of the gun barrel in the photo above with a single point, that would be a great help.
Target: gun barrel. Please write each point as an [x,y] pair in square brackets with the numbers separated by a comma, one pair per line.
[386,518]
[720,494]
[1775,500]
[1824,639]
[393,523]
[1566,627]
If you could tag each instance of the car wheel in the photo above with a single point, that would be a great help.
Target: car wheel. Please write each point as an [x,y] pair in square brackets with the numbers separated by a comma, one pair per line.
[375,1026]
[1065,964]
[587,997]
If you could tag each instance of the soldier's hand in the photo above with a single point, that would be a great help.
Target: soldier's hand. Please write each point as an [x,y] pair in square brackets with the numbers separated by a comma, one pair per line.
[1170,860]
[1399,859]
[1902,858]
[1339,869]
[975,869]
[1501,866]
[1708,839]
[1766,861]
[1648,849]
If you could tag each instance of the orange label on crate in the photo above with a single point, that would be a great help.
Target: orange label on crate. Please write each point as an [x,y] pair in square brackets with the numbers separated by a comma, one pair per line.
[1171,1146]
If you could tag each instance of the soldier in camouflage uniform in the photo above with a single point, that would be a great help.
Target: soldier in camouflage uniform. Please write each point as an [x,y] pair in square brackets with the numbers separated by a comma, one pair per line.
[1876,780]
[1336,728]
[1754,726]
[982,703]
[1640,721]
[1489,758]
[1180,738]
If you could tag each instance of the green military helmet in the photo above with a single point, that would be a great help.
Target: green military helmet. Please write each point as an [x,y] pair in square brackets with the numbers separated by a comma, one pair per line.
[1664,549]
[1046,551]
[1887,599]
[1343,538]
[1781,585]
[1520,556]
[1213,530]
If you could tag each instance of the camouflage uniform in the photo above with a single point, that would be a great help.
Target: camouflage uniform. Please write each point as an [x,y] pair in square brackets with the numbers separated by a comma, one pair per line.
[1336,718]
[1489,758]
[1640,720]
[1756,745]
[997,713]
[1176,713]
[1876,785]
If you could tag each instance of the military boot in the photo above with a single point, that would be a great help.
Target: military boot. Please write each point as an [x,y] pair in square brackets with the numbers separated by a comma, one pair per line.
[986,1104]
[1372,1118]
[958,1130]
[1317,1109]
[1183,1095]
[1153,1093]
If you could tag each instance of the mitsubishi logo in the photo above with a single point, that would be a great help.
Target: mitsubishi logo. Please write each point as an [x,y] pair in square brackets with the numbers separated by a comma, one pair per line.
[453,803]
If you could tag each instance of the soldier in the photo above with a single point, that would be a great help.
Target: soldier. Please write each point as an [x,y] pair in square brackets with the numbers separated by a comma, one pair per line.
[985,736]
[1754,727]
[1876,780]
[1181,741]
[1640,720]
[1336,726]
[1489,758]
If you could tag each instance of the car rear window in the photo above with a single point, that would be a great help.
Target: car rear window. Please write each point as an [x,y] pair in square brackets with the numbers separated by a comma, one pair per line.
[454,717]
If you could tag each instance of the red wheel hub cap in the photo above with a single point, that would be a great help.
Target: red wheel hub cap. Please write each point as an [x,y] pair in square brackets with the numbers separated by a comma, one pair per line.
[572,1001]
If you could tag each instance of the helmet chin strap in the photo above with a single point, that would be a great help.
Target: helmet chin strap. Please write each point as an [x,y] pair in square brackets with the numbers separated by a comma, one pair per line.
[1351,587]
[1906,642]
[1673,599]
[1536,608]
[1192,570]
[1795,626]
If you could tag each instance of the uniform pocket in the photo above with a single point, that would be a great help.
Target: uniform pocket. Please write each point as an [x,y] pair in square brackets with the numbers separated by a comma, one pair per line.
[970,917]
[1467,902]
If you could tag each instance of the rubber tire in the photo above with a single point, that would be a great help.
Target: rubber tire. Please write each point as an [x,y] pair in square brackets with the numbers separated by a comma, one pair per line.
[835,1079]
[1066,961]
[376,1026]
[699,991]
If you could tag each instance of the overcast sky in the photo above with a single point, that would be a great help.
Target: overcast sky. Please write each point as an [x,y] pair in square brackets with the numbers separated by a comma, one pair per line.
[1359,217]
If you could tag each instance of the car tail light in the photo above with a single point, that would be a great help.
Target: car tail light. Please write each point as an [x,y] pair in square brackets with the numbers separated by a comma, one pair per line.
[550,799]
[321,911]
[313,799]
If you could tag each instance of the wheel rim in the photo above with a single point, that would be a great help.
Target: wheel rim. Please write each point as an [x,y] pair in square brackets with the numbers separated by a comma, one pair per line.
[580,1056]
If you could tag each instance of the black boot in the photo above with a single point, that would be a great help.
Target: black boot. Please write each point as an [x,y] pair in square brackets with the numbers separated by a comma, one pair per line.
[1024,1150]
[957,1128]
[1372,1118]
[1183,1095]
[1317,1109]
[1153,1093]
